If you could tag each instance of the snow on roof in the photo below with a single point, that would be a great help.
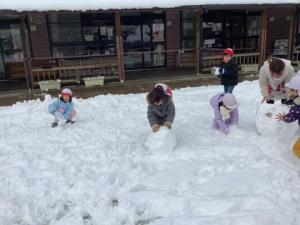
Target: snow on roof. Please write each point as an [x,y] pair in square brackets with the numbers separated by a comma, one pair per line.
[43,5]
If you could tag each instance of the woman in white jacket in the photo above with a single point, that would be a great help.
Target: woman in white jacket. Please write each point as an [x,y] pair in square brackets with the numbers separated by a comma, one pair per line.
[273,76]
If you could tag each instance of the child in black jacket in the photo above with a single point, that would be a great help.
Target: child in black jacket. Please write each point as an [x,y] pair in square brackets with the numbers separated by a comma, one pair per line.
[228,71]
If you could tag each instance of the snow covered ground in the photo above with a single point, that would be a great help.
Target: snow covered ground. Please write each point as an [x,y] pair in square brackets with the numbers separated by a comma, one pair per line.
[100,170]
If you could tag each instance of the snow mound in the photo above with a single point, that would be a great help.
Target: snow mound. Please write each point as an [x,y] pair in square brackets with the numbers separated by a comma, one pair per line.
[267,125]
[162,142]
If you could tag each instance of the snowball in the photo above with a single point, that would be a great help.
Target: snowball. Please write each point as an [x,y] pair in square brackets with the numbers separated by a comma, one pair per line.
[267,125]
[163,141]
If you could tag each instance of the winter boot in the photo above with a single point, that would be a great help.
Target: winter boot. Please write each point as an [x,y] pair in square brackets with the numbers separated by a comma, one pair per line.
[70,121]
[286,102]
[270,101]
[54,124]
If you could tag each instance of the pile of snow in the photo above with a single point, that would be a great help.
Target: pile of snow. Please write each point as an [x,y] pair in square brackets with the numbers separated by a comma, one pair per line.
[163,141]
[99,170]
[267,124]
[119,4]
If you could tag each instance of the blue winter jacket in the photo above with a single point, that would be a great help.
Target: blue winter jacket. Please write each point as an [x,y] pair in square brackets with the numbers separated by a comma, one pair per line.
[64,107]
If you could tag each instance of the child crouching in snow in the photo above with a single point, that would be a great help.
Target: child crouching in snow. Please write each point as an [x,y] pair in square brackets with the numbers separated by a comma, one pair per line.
[226,112]
[294,112]
[63,108]
[161,109]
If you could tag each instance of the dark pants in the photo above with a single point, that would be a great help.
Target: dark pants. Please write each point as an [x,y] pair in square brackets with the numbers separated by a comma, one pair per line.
[228,88]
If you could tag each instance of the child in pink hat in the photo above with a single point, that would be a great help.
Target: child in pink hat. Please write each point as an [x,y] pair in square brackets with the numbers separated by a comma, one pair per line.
[161,109]
[63,108]
[225,110]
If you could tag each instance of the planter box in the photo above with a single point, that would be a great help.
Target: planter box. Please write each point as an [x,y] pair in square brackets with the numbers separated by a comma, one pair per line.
[93,81]
[50,84]
[246,68]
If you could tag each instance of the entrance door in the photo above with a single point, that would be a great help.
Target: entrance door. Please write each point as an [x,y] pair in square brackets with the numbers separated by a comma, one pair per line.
[143,40]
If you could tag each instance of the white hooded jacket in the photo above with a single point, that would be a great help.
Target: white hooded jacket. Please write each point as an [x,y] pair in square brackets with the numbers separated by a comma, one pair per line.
[274,89]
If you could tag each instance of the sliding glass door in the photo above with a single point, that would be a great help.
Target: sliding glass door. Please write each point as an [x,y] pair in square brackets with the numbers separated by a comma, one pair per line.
[143,40]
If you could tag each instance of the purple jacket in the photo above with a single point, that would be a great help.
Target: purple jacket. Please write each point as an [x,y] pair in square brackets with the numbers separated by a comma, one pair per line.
[294,112]
[218,121]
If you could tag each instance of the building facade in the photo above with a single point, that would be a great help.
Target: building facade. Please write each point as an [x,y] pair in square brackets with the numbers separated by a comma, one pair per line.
[70,45]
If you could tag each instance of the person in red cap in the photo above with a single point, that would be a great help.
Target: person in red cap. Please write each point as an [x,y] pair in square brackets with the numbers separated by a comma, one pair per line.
[228,71]
[63,108]
[161,109]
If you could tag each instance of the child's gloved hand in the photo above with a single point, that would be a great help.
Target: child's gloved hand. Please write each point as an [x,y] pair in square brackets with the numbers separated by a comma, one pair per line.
[61,110]
[168,124]
[222,71]
[155,127]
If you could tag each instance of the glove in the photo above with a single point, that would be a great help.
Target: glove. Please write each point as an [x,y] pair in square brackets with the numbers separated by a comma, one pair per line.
[168,124]
[155,127]
[222,71]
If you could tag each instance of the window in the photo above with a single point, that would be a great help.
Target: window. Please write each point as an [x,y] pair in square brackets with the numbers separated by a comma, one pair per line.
[238,30]
[98,33]
[143,39]
[297,35]
[74,34]
[252,32]
[10,42]
[65,28]
[187,30]
[214,31]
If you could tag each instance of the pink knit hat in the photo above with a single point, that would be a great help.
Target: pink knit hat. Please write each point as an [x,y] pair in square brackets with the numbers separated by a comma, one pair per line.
[229,101]
[66,92]
[166,89]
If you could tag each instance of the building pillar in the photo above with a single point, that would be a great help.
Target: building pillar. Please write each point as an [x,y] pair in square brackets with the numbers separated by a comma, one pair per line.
[198,24]
[293,29]
[119,47]
[263,36]
[26,52]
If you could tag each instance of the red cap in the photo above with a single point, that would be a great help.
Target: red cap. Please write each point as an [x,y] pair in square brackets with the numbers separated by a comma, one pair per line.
[228,51]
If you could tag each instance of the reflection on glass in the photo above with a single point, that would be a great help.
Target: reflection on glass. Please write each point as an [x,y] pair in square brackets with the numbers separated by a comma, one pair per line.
[10,41]
[253,25]
[158,32]
[133,60]
[79,34]
[158,55]
[131,36]
[65,33]
[142,34]
[147,59]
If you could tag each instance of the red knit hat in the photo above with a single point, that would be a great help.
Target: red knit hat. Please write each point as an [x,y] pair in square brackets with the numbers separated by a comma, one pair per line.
[66,92]
[228,51]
